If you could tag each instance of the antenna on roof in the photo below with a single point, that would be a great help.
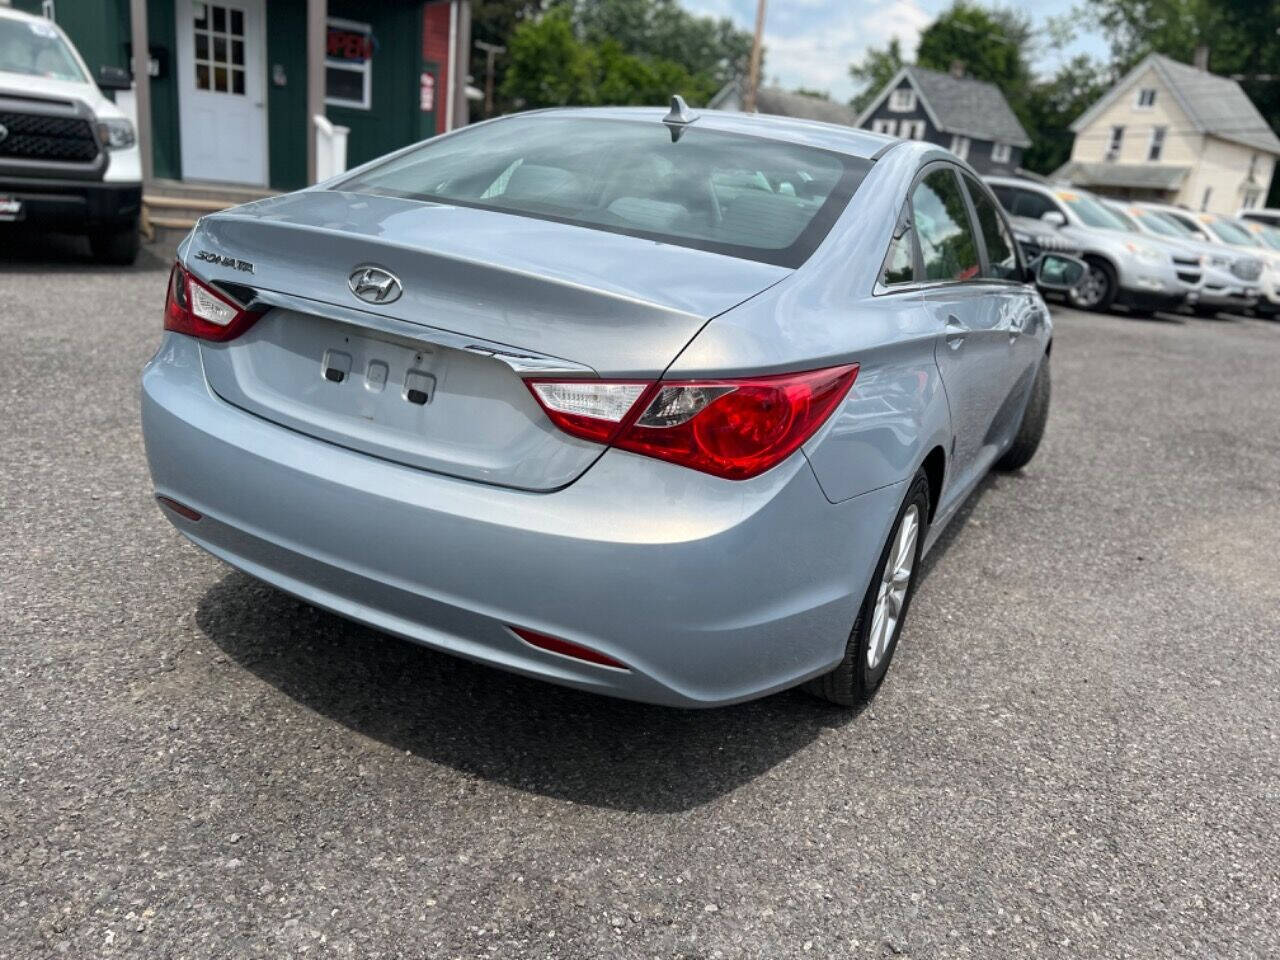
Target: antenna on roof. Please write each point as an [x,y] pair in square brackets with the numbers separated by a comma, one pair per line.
[679,118]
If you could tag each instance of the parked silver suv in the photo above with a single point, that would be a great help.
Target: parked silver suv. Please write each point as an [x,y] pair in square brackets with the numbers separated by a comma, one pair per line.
[1230,279]
[1124,270]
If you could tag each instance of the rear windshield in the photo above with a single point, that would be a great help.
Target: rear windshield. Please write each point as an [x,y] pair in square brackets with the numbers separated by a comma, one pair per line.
[745,196]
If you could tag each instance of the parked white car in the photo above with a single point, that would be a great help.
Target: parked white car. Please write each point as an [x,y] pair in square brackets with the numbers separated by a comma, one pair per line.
[1225,231]
[1230,280]
[69,159]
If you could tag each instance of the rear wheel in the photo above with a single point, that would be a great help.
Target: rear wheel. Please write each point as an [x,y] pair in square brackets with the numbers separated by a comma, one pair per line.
[875,633]
[1097,290]
[118,247]
[1031,430]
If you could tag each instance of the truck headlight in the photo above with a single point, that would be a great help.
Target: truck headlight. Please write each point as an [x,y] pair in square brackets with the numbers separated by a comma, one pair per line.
[116,134]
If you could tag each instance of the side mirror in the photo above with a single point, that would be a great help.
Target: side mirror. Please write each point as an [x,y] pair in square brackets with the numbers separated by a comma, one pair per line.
[1053,218]
[1057,271]
[114,78]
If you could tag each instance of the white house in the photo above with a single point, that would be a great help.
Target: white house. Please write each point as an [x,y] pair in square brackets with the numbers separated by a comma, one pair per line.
[1176,133]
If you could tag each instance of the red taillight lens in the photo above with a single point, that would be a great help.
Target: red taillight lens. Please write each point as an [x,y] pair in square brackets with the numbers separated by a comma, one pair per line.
[730,428]
[196,309]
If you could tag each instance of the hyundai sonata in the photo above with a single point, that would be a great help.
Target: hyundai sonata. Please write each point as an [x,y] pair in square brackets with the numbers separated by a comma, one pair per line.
[667,407]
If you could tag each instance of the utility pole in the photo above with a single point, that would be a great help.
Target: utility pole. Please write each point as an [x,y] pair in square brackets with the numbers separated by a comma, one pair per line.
[753,76]
[491,53]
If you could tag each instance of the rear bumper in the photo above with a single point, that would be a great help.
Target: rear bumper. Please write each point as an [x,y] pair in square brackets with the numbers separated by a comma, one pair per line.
[710,591]
[79,206]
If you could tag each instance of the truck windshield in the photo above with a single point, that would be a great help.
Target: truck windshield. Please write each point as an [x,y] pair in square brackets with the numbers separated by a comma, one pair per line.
[37,49]
[745,196]
[1090,211]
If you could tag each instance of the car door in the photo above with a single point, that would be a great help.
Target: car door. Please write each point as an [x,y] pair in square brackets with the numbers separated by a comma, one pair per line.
[1023,312]
[973,347]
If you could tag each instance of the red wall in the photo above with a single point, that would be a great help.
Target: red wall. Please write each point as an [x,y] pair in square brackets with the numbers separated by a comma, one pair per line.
[435,49]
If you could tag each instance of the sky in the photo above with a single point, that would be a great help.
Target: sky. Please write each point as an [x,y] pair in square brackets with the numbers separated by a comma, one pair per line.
[810,43]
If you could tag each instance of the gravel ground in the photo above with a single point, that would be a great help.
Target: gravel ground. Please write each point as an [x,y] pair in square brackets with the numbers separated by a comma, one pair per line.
[1076,754]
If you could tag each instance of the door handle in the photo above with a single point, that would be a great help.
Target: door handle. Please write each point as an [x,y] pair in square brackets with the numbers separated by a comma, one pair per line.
[956,332]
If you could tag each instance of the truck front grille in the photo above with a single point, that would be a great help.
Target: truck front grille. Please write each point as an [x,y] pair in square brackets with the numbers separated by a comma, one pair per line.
[1247,269]
[34,136]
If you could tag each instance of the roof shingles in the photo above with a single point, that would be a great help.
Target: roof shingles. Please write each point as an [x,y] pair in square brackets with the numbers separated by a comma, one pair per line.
[972,108]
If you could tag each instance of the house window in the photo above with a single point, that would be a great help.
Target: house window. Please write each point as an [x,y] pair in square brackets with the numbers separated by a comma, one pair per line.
[1253,167]
[1116,141]
[1204,201]
[348,65]
[1156,147]
[1146,98]
[1251,198]
[885,126]
[960,147]
[902,100]
[1001,152]
[912,130]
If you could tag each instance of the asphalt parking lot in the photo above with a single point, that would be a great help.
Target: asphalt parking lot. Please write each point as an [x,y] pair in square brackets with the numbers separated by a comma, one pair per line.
[1076,754]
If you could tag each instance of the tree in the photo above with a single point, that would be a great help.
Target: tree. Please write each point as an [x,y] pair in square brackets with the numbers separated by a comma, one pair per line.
[817,94]
[1052,105]
[874,70]
[494,21]
[992,44]
[550,66]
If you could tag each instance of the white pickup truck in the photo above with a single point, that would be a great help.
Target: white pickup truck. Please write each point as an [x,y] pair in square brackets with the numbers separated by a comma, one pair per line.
[69,159]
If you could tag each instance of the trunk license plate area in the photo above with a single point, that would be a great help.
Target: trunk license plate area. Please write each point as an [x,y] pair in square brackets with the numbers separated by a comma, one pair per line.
[377,380]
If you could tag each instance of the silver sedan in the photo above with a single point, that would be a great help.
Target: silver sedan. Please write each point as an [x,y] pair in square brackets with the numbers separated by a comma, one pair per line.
[666,407]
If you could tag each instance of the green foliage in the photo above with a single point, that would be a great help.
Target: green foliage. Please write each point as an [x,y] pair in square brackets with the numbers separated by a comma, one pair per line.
[874,70]
[992,43]
[817,94]
[548,65]
[1053,104]
[494,21]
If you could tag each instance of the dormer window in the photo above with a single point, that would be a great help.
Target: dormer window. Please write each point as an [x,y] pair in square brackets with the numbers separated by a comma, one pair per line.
[902,100]
[1146,98]
[1001,152]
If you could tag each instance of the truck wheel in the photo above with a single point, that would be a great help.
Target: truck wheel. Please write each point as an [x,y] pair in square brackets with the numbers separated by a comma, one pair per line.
[1098,288]
[118,247]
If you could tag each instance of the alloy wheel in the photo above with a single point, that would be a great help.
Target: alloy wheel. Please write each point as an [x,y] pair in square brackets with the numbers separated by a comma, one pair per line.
[1092,288]
[895,581]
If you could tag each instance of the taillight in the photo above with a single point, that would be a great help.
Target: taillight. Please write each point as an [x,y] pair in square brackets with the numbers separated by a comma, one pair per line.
[196,309]
[730,428]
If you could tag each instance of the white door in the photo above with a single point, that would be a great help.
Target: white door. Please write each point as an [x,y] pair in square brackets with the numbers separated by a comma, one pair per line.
[222,90]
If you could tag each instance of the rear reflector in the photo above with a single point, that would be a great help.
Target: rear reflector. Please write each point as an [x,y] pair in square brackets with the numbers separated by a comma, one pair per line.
[181,509]
[567,649]
[732,428]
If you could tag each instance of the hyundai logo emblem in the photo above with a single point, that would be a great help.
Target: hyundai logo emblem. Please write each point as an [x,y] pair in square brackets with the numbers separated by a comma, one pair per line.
[374,285]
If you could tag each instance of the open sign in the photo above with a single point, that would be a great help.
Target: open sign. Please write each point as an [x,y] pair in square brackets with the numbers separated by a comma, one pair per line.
[350,45]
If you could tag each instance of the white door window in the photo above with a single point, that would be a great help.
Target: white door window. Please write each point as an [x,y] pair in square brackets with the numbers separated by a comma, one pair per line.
[222,90]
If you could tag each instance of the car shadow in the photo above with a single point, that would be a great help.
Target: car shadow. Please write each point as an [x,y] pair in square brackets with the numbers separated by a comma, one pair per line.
[524,733]
[509,729]
[53,252]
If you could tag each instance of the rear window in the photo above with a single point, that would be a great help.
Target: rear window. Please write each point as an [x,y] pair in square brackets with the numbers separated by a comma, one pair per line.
[745,196]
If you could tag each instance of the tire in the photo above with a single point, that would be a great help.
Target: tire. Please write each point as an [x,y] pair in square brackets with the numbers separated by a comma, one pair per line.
[119,247]
[1204,311]
[856,678]
[1097,291]
[1027,440]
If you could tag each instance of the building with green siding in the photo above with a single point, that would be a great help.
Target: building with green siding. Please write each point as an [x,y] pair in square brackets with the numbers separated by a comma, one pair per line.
[230,82]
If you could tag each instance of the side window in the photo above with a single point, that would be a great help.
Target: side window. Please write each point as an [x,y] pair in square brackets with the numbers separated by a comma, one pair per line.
[1004,195]
[1002,260]
[947,244]
[900,262]
[1027,203]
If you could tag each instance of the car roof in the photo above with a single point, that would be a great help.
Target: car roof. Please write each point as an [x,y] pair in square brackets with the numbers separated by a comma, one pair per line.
[13,14]
[851,141]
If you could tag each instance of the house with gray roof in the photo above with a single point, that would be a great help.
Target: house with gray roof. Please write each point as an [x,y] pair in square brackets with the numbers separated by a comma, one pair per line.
[1175,133]
[969,117]
[783,103]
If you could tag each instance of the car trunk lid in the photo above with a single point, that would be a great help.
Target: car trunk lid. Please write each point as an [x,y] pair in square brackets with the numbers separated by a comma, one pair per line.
[432,379]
